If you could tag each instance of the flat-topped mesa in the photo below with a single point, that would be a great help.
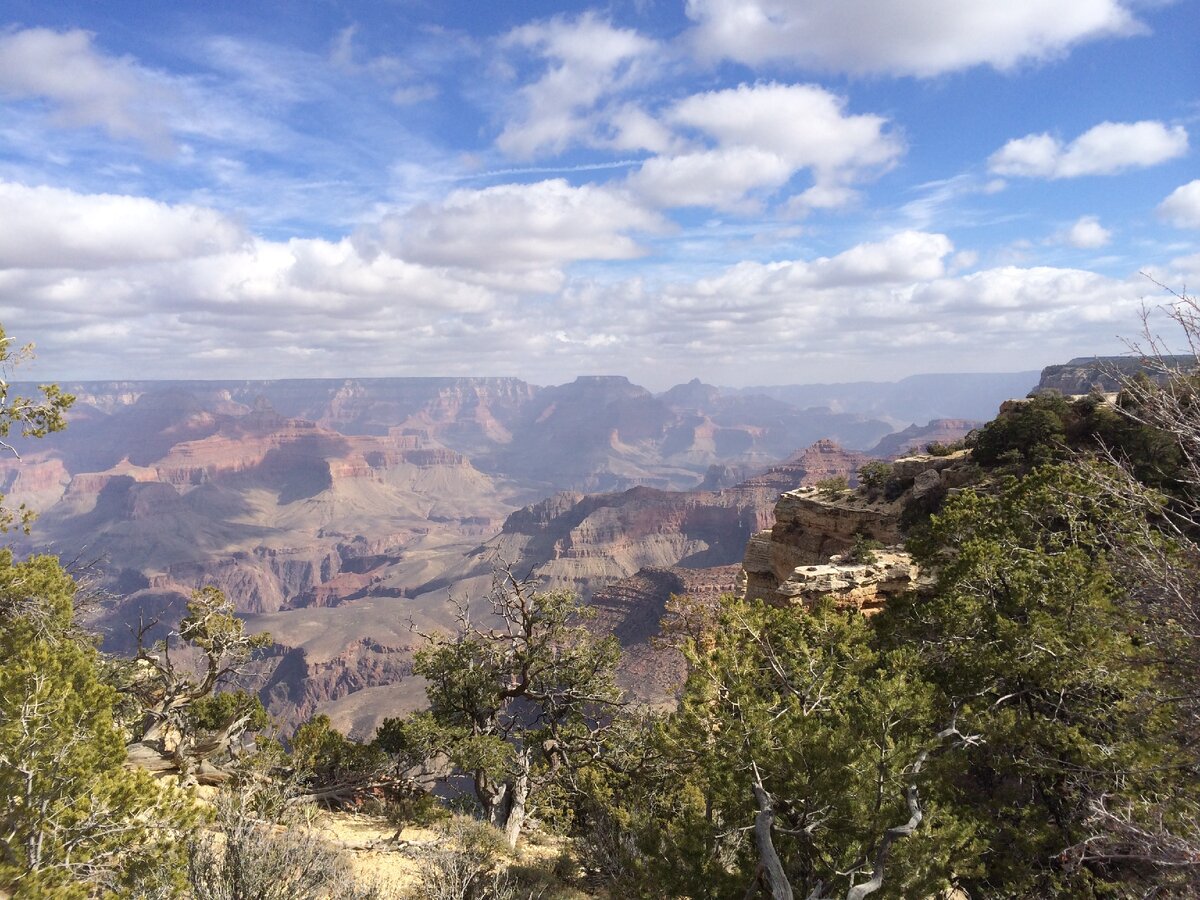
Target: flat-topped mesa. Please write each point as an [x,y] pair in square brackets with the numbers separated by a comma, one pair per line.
[806,555]
[1089,374]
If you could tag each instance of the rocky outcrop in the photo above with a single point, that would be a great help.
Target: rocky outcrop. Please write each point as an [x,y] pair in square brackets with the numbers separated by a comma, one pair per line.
[810,528]
[1103,374]
[804,556]
[865,587]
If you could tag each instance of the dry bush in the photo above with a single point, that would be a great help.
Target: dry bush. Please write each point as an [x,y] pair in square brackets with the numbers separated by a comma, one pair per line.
[469,863]
[259,847]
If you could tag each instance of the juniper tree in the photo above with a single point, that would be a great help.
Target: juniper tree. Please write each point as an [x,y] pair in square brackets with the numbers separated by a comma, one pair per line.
[515,706]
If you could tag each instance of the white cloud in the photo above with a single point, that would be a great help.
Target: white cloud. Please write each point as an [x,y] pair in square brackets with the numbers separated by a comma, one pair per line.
[719,178]
[1102,150]
[902,37]
[802,123]
[85,87]
[1087,234]
[1182,206]
[44,227]
[587,60]
[765,133]
[905,257]
[320,307]
[521,227]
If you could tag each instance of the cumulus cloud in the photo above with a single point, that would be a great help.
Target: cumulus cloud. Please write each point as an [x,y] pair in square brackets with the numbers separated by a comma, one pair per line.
[337,307]
[521,228]
[902,258]
[764,133]
[587,60]
[44,227]
[802,123]
[719,178]
[85,87]
[1105,149]
[1182,206]
[914,37]
[1086,233]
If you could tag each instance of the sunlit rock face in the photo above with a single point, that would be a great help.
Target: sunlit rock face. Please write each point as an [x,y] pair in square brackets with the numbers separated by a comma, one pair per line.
[805,556]
[1089,374]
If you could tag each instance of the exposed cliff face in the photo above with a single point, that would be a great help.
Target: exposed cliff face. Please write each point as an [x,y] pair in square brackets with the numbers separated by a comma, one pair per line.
[277,512]
[299,687]
[865,587]
[915,438]
[802,558]
[582,542]
[596,433]
[823,459]
[632,610]
[1087,374]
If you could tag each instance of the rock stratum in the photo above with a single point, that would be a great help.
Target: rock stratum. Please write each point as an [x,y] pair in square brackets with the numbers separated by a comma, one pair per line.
[808,553]
[335,512]
[1103,374]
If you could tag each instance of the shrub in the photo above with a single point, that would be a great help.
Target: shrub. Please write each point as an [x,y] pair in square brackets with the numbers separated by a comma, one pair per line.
[874,476]
[832,488]
[862,551]
[261,846]
[466,864]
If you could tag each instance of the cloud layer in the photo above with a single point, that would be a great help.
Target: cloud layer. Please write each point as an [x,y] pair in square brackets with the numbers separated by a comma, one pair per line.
[407,302]
[759,190]
[920,37]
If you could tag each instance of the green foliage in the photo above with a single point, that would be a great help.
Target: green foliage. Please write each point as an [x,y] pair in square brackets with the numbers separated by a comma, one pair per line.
[1026,636]
[212,626]
[1033,432]
[862,551]
[32,417]
[874,476]
[322,755]
[1058,696]
[1049,428]
[832,488]
[937,448]
[830,725]
[212,713]
[516,708]
[73,820]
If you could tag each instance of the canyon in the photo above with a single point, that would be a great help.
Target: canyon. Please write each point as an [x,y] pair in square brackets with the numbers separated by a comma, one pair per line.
[342,514]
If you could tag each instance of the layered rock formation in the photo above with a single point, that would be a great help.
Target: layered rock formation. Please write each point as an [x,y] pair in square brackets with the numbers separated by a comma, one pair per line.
[1088,374]
[633,610]
[916,438]
[806,554]
[865,587]
[582,542]
[331,510]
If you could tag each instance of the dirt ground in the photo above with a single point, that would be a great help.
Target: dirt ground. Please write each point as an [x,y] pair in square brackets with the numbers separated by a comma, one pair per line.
[397,867]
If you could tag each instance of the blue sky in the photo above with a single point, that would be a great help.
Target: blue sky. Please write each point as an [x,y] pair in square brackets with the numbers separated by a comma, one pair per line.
[751,191]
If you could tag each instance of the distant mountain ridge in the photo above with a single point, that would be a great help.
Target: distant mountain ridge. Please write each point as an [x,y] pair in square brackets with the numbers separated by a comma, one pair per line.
[914,400]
